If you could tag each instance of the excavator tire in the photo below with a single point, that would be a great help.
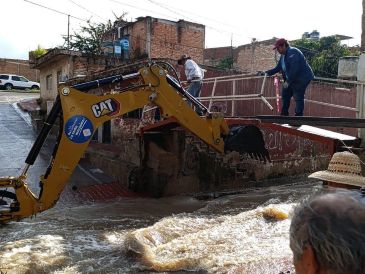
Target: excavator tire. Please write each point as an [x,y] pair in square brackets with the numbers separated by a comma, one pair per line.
[249,140]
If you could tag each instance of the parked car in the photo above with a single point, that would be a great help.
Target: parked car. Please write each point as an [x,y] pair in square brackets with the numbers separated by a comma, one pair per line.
[10,81]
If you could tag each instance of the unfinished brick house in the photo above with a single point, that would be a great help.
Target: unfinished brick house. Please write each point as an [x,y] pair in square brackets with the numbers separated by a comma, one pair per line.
[159,38]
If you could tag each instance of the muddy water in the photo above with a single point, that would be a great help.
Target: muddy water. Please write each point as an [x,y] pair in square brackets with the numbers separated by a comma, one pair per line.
[226,235]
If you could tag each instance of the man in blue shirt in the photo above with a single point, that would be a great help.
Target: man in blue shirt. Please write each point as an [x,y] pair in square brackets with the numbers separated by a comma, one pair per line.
[297,75]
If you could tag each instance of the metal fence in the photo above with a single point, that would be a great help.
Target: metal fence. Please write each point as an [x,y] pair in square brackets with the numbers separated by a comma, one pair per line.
[250,95]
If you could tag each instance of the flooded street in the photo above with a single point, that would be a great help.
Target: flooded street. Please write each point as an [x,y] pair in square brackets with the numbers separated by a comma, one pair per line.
[142,235]
[225,235]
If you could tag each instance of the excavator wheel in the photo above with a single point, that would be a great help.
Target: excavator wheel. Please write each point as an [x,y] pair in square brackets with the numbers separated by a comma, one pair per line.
[247,140]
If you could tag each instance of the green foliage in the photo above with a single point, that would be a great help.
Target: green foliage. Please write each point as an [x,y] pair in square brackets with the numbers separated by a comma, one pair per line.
[89,39]
[38,52]
[226,63]
[323,54]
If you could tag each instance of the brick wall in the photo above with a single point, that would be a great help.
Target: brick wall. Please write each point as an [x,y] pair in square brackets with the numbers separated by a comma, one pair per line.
[257,56]
[86,66]
[213,56]
[20,67]
[172,39]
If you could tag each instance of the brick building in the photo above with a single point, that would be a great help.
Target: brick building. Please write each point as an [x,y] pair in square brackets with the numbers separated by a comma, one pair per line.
[19,67]
[158,38]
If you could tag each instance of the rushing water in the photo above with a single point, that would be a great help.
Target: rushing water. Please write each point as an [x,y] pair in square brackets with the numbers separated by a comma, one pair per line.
[225,235]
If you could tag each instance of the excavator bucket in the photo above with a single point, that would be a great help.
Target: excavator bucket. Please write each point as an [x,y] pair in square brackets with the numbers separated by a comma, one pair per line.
[247,140]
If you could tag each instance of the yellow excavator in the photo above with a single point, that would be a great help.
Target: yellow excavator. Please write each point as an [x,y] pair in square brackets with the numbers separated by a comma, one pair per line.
[81,114]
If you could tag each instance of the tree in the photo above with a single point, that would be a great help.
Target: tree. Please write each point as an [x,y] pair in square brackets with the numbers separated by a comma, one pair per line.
[323,54]
[226,63]
[89,39]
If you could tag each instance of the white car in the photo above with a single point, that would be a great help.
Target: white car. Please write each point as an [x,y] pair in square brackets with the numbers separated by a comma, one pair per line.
[10,81]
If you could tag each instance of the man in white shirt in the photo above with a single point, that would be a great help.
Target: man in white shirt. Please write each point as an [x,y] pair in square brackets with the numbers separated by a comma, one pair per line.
[194,75]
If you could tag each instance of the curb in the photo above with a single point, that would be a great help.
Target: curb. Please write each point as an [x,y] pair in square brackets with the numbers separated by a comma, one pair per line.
[29,105]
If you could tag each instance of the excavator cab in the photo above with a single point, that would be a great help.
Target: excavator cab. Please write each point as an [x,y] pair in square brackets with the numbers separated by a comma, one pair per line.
[81,113]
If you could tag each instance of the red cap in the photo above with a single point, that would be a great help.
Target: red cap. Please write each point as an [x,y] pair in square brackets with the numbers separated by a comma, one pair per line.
[279,42]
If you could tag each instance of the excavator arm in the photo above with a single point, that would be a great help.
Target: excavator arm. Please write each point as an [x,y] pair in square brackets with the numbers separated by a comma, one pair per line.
[82,113]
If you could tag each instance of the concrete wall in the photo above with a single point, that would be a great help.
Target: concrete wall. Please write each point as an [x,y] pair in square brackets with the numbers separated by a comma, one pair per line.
[61,66]
[138,39]
[19,67]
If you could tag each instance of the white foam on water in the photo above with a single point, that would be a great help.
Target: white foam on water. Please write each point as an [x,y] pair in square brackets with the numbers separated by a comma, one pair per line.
[226,235]
[185,243]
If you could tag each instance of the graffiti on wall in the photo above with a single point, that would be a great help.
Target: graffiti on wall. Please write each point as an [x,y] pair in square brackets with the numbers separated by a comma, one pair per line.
[282,145]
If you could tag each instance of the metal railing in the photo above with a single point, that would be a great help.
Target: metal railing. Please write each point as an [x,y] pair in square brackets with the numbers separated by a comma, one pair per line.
[238,95]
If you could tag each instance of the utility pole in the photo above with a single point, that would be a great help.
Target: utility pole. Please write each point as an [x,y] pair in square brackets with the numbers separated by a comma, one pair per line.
[68,31]
[363,27]
[231,65]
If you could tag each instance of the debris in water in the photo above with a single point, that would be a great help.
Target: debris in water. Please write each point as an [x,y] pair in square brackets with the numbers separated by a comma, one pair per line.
[271,213]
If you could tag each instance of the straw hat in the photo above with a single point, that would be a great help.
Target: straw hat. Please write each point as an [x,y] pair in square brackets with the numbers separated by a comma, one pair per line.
[344,168]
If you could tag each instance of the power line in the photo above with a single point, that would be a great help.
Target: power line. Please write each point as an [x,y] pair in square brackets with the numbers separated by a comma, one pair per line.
[174,17]
[139,8]
[89,11]
[60,12]
[173,10]
[187,12]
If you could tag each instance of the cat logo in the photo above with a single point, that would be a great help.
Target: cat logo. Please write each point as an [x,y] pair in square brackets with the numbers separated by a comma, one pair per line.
[107,107]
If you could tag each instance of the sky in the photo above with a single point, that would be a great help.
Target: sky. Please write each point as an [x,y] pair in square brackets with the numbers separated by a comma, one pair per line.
[25,25]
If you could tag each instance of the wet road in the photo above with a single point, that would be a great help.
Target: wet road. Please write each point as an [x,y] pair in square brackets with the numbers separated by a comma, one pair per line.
[17,136]
[139,235]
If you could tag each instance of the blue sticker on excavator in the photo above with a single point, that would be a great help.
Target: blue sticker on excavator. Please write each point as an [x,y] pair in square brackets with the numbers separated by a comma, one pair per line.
[79,129]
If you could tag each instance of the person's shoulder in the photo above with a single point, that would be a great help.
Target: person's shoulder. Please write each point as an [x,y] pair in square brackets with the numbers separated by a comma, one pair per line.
[294,50]
[191,61]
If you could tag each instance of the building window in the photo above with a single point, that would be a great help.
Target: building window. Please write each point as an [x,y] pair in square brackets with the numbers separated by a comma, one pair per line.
[49,82]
